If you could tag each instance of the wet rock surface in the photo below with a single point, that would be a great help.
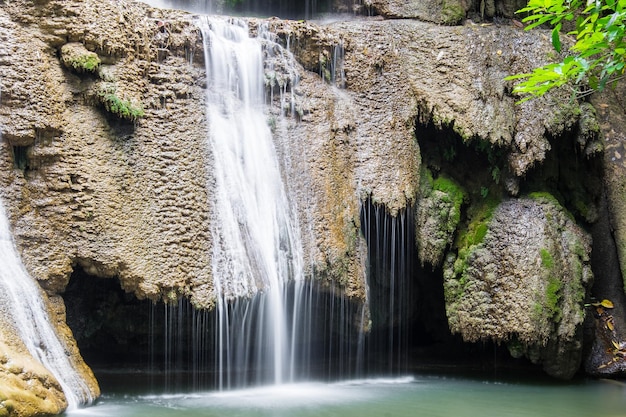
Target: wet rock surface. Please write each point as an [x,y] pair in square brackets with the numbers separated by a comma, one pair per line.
[524,282]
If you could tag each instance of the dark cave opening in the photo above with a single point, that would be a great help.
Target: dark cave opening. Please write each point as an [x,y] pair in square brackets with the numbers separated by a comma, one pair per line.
[111,326]
[572,172]
[409,327]
[174,347]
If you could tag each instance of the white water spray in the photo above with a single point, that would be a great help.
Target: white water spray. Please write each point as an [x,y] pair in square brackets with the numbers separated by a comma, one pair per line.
[256,244]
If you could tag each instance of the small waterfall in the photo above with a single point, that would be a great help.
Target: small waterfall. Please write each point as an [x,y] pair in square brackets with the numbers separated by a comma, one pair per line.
[391,242]
[22,299]
[256,245]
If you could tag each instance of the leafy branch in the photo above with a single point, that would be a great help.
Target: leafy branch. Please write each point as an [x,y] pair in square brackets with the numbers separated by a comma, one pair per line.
[596,58]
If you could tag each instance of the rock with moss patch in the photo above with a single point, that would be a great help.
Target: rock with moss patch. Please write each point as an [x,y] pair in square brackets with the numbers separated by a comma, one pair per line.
[77,58]
[447,12]
[438,214]
[524,281]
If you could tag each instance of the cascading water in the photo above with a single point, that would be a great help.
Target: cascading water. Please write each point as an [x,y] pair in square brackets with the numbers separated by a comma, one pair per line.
[390,241]
[22,299]
[285,9]
[256,248]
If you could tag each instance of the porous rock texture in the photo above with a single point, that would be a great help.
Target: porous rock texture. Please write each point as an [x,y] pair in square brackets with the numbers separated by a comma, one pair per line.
[26,387]
[608,349]
[524,283]
[447,12]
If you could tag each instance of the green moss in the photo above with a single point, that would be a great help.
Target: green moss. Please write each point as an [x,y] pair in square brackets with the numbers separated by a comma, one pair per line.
[450,187]
[124,109]
[546,259]
[467,242]
[456,195]
[553,295]
[79,59]
[85,63]
[479,225]
[543,196]
[553,299]
[452,12]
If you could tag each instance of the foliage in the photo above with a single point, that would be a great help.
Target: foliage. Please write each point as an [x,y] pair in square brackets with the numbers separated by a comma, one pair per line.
[85,63]
[124,109]
[597,57]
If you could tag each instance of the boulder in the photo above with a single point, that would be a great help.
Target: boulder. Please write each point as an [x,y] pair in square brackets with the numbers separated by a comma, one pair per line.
[521,277]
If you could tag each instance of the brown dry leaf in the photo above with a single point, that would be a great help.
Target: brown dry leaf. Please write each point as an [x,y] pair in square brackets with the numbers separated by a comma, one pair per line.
[610,325]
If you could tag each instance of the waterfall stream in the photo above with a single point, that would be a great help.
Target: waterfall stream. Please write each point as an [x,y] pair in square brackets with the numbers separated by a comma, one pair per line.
[21,298]
[256,245]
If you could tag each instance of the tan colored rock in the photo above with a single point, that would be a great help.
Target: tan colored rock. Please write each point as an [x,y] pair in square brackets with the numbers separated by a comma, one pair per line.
[26,387]
[523,278]
[447,12]
[77,58]
[133,200]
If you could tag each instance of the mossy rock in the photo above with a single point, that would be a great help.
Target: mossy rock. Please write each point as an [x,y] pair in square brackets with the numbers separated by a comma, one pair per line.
[522,270]
[120,107]
[77,58]
[437,216]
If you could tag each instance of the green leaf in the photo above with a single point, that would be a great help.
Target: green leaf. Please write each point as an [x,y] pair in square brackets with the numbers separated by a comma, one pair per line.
[556,40]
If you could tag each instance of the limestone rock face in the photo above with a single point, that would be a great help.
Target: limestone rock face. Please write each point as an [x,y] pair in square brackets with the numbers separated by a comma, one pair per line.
[447,12]
[86,188]
[524,281]
[613,119]
[132,200]
[606,356]
[27,387]
[437,218]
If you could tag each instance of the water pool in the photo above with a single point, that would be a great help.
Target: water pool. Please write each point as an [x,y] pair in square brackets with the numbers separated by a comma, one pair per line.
[426,396]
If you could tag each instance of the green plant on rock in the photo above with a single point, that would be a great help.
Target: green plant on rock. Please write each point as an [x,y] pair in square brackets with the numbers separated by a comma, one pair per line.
[78,59]
[122,108]
[84,63]
[553,293]
[597,57]
[469,239]
[455,193]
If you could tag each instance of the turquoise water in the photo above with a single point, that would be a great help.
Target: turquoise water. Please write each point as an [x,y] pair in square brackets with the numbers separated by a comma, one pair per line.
[397,397]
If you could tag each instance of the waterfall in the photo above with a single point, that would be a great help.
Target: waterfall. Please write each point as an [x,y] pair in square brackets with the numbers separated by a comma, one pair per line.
[392,285]
[256,244]
[22,300]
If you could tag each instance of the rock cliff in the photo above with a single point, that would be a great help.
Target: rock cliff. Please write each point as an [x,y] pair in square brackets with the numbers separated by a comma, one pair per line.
[104,163]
